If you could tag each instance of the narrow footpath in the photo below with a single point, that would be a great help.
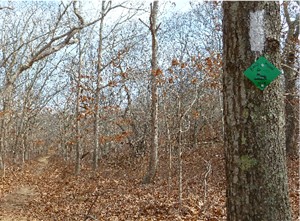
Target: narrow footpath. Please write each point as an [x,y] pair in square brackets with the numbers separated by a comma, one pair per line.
[12,206]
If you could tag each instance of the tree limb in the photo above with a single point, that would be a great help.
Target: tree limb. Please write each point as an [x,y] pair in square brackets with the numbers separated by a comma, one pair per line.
[76,12]
[6,7]
[286,13]
[144,23]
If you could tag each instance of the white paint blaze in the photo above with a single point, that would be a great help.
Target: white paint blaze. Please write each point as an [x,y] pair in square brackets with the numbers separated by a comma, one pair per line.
[256,32]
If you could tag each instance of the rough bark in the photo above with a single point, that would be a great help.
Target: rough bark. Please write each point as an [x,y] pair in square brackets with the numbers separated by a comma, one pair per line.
[154,97]
[256,173]
[291,88]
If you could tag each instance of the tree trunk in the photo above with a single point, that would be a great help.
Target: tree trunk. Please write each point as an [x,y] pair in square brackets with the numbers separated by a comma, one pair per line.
[2,145]
[78,98]
[291,87]
[154,96]
[78,130]
[5,121]
[256,173]
[179,153]
[78,114]
[168,146]
[98,89]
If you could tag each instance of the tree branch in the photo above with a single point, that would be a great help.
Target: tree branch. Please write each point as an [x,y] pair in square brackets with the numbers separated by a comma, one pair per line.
[291,68]
[286,13]
[6,7]
[76,12]
[144,23]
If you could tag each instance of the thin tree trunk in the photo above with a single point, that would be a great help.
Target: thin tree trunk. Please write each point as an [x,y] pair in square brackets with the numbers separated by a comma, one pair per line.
[98,89]
[78,131]
[256,173]
[77,115]
[7,113]
[179,149]
[78,96]
[24,148]
[2,149]
[169,148]
[154,97]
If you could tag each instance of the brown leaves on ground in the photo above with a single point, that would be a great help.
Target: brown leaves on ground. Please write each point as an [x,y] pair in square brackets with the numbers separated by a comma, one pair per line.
[116,193]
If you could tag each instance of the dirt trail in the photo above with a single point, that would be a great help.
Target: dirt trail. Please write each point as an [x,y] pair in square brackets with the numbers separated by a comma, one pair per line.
[12,205]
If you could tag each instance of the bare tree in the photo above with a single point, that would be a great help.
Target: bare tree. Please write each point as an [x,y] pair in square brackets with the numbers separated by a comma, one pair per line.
[104,9]
[28,42]
[155,71]
[78,97]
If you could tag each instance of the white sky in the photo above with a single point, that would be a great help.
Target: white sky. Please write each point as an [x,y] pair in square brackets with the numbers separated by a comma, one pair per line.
[90,6]
[179,4]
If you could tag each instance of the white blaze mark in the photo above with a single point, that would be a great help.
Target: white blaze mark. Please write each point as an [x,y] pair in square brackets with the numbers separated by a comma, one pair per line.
[256,32]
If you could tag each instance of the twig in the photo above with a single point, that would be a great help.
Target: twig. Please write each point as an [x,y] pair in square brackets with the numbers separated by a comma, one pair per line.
[291,68]
[90,217]
[144,23]
[87,216]
[208,170]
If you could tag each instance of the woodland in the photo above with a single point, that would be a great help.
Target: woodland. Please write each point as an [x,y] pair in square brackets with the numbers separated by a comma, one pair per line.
[119,110]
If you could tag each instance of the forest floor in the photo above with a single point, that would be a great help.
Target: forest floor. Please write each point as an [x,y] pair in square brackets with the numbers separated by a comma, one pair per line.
[47,189]
[20,194]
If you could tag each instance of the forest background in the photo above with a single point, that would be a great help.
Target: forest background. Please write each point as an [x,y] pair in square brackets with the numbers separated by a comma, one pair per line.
[76,82]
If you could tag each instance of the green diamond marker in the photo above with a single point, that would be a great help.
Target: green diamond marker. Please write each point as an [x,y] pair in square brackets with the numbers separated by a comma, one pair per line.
[262,73]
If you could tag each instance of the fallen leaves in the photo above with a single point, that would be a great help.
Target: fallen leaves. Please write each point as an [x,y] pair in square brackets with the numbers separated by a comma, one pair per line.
[116,193]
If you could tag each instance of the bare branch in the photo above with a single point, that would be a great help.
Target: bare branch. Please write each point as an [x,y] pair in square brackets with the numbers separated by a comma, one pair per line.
[158,27]
[51,48]
[286,13]
[77,13]
[208,171]
[296,23]
[6,7]
[291,68]
[144,23]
